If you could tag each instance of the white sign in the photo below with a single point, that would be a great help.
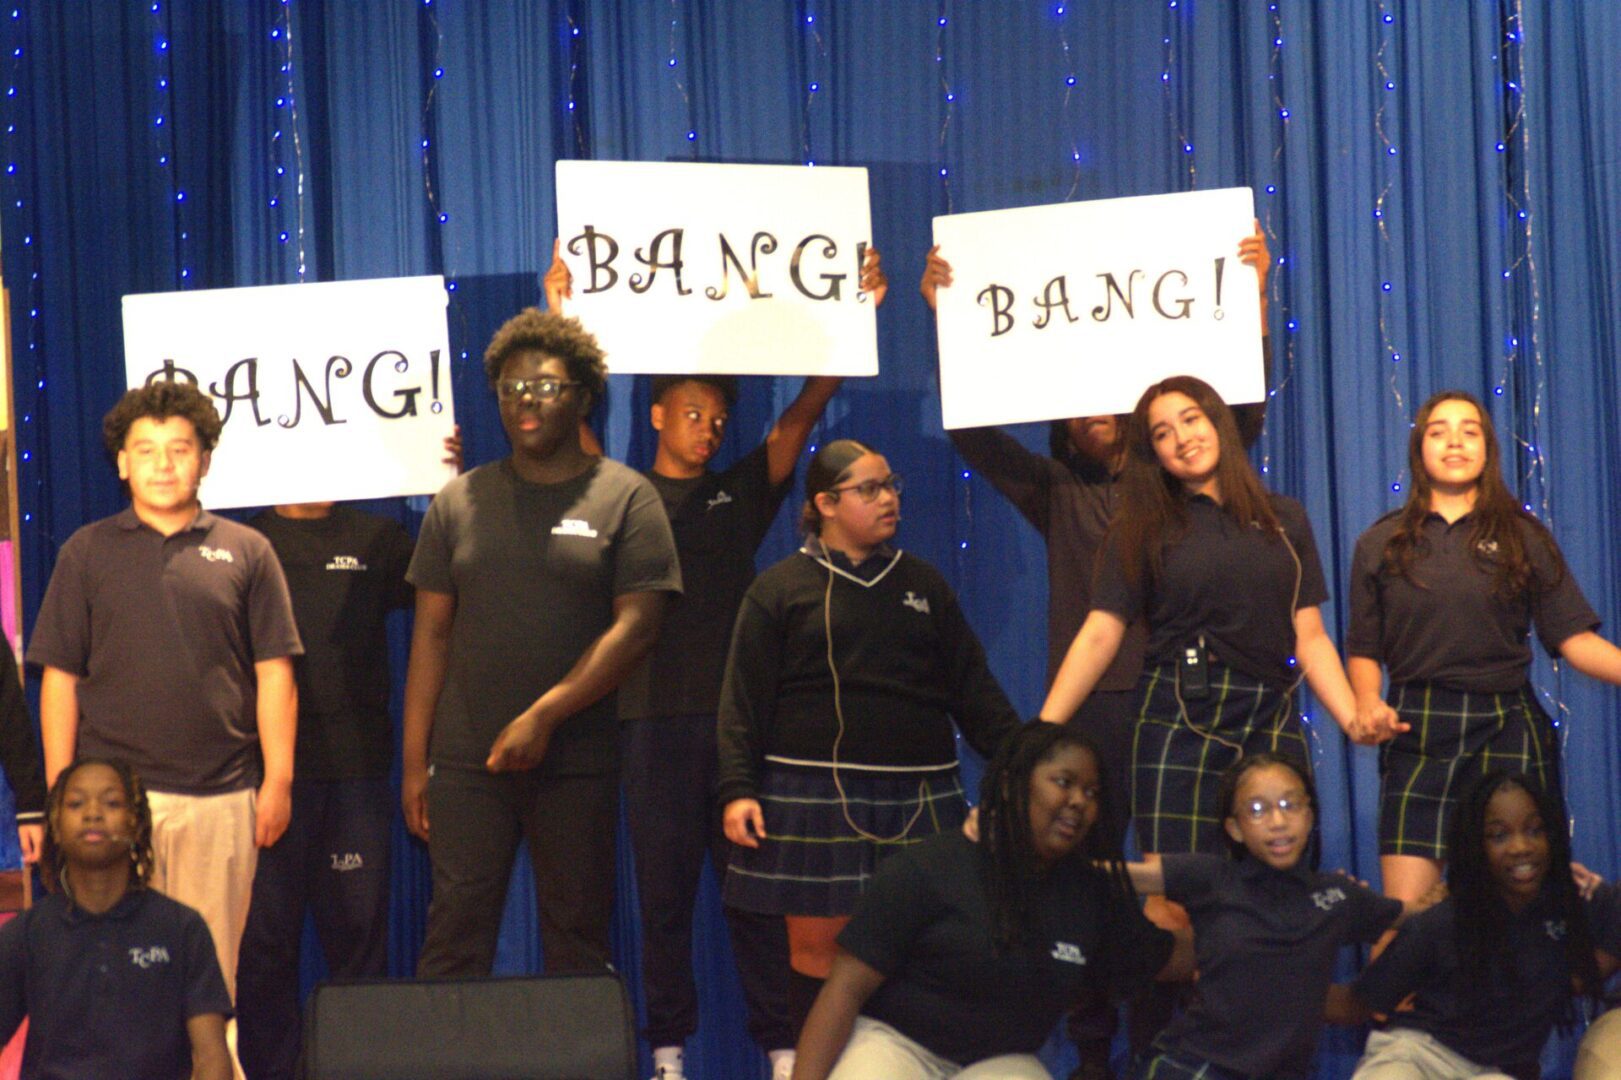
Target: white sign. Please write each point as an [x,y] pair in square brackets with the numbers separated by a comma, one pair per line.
[1074,309]
[332,391]
[720,269]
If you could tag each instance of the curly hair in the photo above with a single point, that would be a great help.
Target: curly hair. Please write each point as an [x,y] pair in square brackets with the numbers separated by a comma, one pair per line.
[534,330]
[52,864]
[1009,866]
[1500,521]
[160,401]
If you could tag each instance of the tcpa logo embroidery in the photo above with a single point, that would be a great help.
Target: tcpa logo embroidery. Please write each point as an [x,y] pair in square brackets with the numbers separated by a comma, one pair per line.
[1327,898]
[1069,954]
[919,604]
[145,958]
[215,554]
[574,527]
[720,499]
[1555,929]
[349,860]
[345,562]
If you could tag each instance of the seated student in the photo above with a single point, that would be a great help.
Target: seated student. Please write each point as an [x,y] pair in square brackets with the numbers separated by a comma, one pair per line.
[961,957]
[1267,927]
[117,980]
[1497,964]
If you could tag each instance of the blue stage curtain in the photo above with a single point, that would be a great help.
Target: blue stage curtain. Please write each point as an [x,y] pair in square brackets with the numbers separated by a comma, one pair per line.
[140,144]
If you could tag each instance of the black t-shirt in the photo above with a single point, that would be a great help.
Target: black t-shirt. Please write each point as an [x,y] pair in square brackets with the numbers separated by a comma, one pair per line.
[345,572]
[1266,941]
[1501,1021]
[108,995]
[1230,582]
[1451,627]
[908,665]
[719,521]
[926,925]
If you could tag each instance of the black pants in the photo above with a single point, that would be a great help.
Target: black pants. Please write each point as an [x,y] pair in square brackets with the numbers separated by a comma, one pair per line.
[475,821]
[669,774]
[332,862]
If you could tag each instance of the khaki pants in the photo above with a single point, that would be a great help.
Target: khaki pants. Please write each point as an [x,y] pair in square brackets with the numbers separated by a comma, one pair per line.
[1405,1054]
[203,856]
[877,1051]
[1599,1056]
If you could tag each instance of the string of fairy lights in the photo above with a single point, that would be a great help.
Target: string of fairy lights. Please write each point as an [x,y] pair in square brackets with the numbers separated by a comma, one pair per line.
[814,48]
[286,104]
[31,403]
[1387,262]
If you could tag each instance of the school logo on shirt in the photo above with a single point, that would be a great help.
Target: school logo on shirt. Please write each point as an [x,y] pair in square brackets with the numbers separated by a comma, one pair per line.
[919,604]
[1327,898]
[214,554]
[1069,954]
[574,527]
[349,860]
[720,499]
[345,562]
[1555,929]
[145,958]
[1488,548]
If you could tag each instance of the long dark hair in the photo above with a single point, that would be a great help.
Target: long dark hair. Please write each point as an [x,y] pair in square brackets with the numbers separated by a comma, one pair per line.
[1011,870]
[1497,515]
[1481,916]
[52,864]
[1153,508]
[1227,794]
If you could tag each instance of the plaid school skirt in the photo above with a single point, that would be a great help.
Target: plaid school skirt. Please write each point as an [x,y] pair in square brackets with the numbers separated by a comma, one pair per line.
[1165,1063]
[811,861]
[1456,736]
[1178,757]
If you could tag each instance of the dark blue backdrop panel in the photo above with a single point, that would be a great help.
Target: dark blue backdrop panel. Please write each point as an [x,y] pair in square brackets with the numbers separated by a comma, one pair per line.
[1438,184]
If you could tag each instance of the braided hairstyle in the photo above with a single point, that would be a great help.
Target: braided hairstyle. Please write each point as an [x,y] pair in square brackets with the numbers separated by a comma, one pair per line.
[53,865]
[1009,866]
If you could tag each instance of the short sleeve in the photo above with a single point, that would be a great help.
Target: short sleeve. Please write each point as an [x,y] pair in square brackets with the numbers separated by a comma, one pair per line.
[397,549]
[645,558]
[1134,949]
[1364,636]
[1369,914]
[205,986]
[1190,877]
[1297,527]
[270,607]
[1604,916]
[752,476]
[1558,608]
[430,563]
[1111,591]
[890,915]
[1403,967]
[61,637]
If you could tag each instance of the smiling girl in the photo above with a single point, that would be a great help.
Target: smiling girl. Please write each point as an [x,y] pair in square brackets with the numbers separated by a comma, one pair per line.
[1444,594]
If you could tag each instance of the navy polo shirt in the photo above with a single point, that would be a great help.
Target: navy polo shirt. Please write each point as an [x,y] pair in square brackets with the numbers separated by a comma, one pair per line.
[1449,625]
[163,632]
[1501,1021]
[1266,942]
[719,521]
[108,995]
[925,924]
[1232,583]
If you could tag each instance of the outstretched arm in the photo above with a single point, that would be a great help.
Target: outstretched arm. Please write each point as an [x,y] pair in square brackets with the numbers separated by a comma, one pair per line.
[1318,658]
[1593,656]
[827,1028]
[1089,656]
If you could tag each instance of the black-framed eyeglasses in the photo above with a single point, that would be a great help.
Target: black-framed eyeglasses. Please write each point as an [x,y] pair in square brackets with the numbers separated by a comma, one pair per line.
[868,490]
[545,388]
[1261,809]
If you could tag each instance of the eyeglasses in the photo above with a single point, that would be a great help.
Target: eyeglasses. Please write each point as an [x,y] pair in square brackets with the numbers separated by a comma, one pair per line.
[868,489]
[545,388]
[1289,806]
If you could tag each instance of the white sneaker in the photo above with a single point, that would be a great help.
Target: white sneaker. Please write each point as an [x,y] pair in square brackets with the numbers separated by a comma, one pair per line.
[784,1068]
